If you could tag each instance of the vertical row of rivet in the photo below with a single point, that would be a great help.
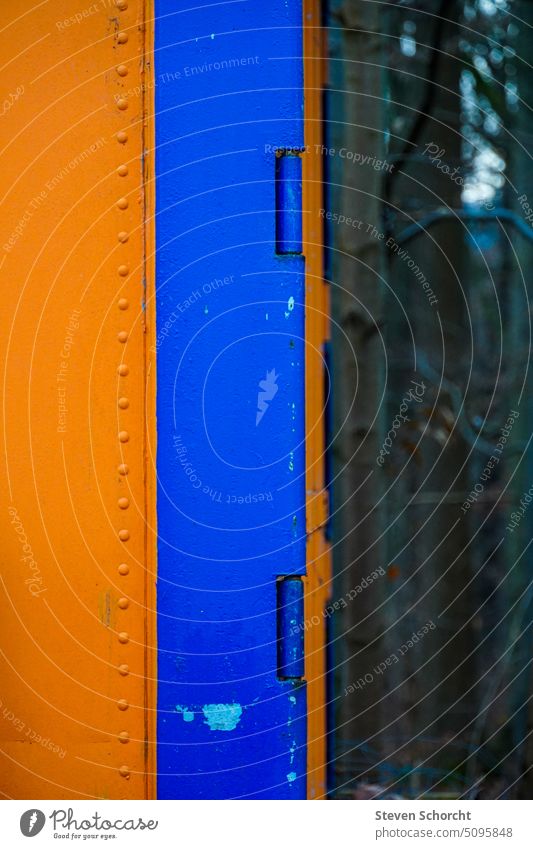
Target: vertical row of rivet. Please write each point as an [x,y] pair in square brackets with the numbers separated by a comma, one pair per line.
[123,271]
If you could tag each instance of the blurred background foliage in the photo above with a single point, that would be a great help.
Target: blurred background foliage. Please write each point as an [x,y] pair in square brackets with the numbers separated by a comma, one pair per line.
[439,92]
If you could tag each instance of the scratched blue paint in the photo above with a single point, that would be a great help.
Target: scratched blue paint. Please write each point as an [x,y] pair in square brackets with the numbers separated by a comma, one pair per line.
[230,328]
[290,630]
[222,717]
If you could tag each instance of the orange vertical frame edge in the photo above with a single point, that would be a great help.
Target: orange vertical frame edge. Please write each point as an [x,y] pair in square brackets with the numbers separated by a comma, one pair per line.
[318,580]
[150,416]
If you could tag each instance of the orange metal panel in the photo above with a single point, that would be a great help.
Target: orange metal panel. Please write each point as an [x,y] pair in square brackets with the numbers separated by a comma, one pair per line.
[75,573]
[148,99]
[317,329]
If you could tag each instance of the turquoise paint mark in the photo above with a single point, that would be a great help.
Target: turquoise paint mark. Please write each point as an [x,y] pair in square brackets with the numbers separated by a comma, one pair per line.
[292,700]
[290,307]
[188,715]
[222,717]
[291,777]
[292,751]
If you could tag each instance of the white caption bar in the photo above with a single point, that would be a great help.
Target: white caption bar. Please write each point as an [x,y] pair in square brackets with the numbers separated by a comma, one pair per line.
[264,825]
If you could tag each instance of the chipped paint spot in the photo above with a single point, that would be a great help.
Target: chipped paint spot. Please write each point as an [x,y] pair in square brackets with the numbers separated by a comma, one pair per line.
[292,751]
[292,700]
[188,715]
[291,776]
[104,609]
[291,461]
[290,307]
[222,717]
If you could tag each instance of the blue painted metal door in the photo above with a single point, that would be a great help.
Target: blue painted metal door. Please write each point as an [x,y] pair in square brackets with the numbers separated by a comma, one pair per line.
[230,400]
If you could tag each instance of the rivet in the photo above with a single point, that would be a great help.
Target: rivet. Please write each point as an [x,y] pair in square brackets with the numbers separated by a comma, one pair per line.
[122,104]
[122,336]
[122,203]
[121,4]
[123,370]
[122,71]
[122,704]
[124,436]
[124,737]
[123,236]
[124,503]
[123,469]
[122,170]
[122,137]
[123,403]
[123,304]
[122,37]
[123,603]
[123,270]
[124,669]
[123,637]
[124,771]
[124,569]
[124,535]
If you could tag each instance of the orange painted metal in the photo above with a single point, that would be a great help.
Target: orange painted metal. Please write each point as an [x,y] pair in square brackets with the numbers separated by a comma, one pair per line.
[318,581]
[77,679]
[148,96]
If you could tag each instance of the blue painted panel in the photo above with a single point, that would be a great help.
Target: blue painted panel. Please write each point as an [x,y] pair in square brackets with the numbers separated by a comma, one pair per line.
[230,399]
